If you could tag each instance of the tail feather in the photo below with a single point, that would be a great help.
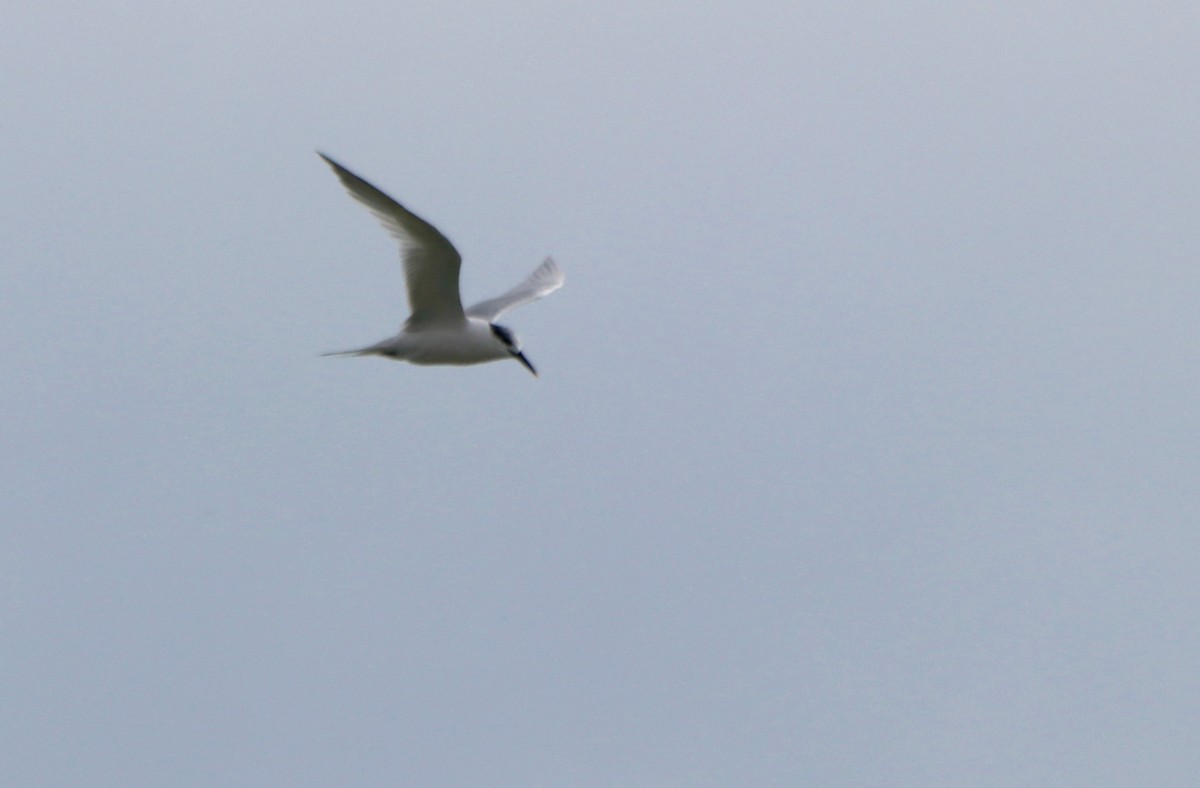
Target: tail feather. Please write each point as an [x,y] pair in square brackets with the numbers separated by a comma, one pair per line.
[362,351]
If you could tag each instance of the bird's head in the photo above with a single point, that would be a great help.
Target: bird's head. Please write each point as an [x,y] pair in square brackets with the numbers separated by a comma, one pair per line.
[510,341]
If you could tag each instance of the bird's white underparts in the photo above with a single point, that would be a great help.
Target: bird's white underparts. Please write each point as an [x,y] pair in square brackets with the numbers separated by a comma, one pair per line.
[439,330]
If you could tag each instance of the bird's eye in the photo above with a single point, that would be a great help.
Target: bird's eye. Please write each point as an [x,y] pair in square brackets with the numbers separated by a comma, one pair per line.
[503,334]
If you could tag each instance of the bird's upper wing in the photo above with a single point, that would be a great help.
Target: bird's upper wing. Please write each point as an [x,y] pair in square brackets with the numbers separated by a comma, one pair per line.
[431,262]
[544,280]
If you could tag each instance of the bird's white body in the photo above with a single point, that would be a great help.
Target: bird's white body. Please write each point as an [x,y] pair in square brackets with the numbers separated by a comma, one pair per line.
[472,342]
[439,330]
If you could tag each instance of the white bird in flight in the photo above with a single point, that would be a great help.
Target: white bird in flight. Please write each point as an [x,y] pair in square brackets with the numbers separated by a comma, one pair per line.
[439,330]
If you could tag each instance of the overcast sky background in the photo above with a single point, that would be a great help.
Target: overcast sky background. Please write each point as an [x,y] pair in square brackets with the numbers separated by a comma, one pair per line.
[864,450]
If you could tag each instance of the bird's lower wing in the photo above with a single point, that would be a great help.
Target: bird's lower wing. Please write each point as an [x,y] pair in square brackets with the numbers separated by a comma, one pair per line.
[542,282]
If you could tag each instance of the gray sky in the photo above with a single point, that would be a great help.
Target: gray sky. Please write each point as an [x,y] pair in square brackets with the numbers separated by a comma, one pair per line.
[864,451]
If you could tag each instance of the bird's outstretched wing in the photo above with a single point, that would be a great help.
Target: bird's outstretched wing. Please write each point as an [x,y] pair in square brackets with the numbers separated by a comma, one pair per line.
[544,280]
[431,263]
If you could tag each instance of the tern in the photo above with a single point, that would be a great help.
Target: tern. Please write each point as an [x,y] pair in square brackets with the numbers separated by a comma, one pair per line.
[439,330]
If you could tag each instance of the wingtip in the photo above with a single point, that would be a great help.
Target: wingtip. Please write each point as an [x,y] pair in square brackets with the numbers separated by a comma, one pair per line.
[557,277]
[330,161]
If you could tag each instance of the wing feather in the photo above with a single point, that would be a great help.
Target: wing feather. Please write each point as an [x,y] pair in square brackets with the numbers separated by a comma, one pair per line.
[545,279]
[431,263]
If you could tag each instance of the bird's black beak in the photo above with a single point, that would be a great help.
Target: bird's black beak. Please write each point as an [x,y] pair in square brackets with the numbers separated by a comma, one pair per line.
[521,357]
